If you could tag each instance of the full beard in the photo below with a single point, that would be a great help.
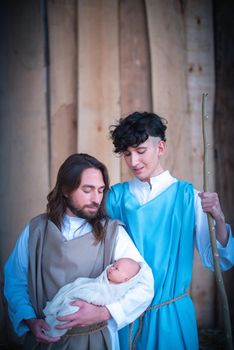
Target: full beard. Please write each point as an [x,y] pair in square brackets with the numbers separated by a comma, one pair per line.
[80,212]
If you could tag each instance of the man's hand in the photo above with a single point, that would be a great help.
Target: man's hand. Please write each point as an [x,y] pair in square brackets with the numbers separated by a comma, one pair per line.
[37,326]
[87,315]
[210,204]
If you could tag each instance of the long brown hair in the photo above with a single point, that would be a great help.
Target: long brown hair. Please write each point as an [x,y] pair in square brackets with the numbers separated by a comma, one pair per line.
[68,180]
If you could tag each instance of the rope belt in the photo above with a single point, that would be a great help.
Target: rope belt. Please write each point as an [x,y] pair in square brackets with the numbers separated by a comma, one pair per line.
[78,331]
[132,344]
[86,330]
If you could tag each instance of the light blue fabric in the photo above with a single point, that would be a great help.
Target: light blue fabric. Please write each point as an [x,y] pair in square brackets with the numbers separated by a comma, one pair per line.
[162,230]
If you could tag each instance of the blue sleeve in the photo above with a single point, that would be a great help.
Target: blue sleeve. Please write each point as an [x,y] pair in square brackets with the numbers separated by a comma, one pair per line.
[110,203]
[226,254]
[16,284]
[203,244]
[113,202]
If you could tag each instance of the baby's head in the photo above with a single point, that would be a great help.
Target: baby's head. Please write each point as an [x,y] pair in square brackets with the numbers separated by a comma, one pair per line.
[122,270]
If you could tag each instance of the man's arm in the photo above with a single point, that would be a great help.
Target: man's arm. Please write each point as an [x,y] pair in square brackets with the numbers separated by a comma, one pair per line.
[138,298]
[20,309]
[209,202]
[16,285]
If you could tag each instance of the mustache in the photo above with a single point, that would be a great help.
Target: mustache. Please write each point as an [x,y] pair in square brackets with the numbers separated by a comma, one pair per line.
[93,205]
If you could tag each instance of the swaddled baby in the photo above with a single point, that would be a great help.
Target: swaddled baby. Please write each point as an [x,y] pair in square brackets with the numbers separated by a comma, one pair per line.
[107,288]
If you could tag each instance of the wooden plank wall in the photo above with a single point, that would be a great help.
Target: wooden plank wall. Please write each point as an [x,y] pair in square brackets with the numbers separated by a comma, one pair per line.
[70,68]
[24,154]
[62,44]
[98,79]
[168,75]
[200,79]
[135,70]
[23,123]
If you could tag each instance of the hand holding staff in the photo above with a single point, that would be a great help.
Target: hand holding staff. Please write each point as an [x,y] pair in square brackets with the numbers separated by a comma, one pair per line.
[218,274]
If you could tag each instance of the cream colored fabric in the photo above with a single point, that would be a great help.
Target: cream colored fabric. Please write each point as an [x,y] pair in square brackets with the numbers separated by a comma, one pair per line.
[98,291]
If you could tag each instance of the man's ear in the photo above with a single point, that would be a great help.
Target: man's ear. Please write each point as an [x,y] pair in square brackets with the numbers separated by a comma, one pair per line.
[161,147]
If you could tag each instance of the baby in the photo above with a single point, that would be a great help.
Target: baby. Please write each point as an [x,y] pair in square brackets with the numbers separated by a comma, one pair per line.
[122,270]
[108,287]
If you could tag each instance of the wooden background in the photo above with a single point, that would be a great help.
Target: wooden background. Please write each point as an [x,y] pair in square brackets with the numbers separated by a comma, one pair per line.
[70,68]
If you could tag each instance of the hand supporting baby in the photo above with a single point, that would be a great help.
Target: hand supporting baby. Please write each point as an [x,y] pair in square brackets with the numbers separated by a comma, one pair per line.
[52,320]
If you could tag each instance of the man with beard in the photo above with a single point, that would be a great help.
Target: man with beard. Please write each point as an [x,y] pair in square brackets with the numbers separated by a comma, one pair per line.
[73,239]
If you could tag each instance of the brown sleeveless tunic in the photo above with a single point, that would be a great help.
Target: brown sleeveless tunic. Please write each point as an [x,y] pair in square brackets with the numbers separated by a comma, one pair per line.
[54,262]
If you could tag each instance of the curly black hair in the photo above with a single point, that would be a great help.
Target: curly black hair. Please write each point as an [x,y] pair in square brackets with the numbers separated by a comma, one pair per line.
[135,129]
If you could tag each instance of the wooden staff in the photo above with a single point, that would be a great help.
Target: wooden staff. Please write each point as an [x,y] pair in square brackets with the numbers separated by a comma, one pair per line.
[218,274]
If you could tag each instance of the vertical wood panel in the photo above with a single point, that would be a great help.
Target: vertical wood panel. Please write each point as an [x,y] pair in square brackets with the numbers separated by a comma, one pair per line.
[168,62]
[98,90]
[224,121]
[23,151]
[200,67]
[135,71]
[63,80]
[23,125]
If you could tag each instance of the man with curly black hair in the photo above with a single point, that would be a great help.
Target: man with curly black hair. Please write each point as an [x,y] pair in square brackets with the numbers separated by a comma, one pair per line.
[165,217]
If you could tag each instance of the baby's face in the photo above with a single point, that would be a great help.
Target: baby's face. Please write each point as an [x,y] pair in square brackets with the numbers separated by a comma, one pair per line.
[117,273]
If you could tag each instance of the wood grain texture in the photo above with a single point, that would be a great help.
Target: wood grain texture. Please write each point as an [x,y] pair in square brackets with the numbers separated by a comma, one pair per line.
[98,71]
[201,79]
[169,81]
[24,147]
[62,26]
[23,126]
[135,73]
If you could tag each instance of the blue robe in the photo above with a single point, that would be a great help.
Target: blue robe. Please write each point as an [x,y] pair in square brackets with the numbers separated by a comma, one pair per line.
[163,231]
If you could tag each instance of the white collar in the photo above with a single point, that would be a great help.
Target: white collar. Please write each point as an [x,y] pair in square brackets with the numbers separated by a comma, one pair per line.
[164,177]
[74,226]
[74,220]
[145,191]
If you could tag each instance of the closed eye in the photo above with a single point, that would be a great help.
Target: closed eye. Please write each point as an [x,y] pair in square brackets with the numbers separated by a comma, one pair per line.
[141,150]
[101,190]
[126,154]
